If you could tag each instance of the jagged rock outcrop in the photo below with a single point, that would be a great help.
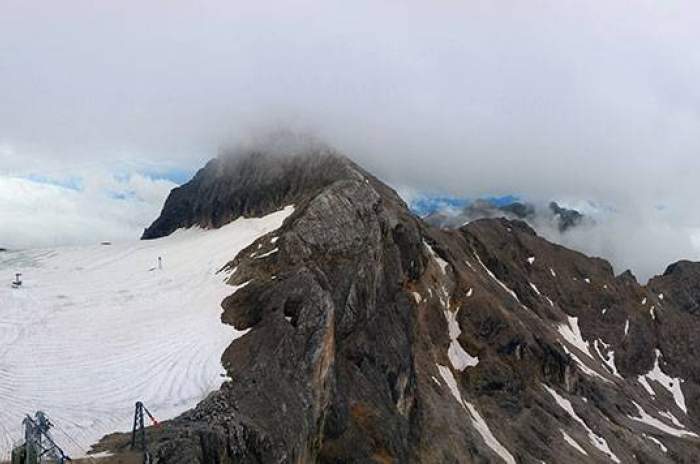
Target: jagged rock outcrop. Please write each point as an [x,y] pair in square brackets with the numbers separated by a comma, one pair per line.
[680,283]
[375,337]
[566,217]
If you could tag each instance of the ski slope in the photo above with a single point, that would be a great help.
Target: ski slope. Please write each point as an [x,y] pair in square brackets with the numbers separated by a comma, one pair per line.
[94,329]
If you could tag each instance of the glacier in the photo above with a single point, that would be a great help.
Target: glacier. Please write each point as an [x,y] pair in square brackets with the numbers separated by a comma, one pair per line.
[93,329]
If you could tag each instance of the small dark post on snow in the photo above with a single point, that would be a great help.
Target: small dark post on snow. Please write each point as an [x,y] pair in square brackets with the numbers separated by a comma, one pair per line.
[18,281]
[160,262]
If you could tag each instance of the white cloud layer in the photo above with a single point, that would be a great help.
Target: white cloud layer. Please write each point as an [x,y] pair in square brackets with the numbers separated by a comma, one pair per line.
[644,243]
[41,214]
[546,99]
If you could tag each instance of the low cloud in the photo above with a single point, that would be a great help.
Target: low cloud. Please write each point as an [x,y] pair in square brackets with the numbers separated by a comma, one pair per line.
[645,244]
[594,102]
[45,213]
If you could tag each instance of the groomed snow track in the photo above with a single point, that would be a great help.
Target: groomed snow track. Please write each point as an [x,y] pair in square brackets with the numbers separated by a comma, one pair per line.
[94,329]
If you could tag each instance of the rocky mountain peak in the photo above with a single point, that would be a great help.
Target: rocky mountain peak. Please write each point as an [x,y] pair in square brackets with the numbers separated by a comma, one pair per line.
[681,283]
[373,336]
[683,268]
[250,183]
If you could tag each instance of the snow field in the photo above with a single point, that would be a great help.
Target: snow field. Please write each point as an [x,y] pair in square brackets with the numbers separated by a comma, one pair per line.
[95,329]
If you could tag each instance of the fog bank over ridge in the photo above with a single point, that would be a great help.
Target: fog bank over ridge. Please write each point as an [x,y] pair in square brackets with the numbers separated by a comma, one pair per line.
[583,103]
[645,245]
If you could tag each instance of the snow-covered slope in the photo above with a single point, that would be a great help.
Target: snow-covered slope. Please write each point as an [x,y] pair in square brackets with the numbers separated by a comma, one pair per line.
[94,329]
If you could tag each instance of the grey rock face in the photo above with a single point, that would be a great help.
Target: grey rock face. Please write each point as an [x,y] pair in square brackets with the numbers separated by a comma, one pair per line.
[252,184]
[681,283]
[567,217]
[375,337]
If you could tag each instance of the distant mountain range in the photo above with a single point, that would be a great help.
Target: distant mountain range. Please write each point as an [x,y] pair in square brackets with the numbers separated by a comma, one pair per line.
[563,218]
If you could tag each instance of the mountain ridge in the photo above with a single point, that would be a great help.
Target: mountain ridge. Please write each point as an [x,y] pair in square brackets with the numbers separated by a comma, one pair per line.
[249,184]
[374,337]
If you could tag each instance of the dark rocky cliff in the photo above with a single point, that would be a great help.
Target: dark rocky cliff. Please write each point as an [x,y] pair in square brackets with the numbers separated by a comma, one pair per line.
[375,337]
[250,184]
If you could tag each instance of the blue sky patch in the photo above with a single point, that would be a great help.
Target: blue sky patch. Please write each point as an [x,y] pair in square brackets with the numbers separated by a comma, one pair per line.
[430,204]
[72,183]
[177,176]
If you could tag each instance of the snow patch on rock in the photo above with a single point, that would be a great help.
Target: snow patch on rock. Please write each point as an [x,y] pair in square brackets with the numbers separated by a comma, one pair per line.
[573,443]
[572,334]
[441,262]
[584,368]
[491,441]
[657,441]
[608,357]
[269,253]
[459,358]
[498,281]
[672,384]
[596,440]
[645,418]
[417,297]
[477,420]
[669,415]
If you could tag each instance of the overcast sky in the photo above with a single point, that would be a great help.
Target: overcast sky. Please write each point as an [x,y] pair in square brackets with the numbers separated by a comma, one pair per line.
[105,106]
